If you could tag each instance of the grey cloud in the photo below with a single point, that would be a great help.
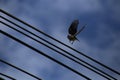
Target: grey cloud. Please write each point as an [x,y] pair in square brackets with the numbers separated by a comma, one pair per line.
[103,47]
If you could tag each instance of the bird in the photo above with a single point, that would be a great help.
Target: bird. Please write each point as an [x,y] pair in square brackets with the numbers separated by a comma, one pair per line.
[72,31]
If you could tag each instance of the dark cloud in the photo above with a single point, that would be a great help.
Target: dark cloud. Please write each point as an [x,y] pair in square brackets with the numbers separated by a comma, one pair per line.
[100,39]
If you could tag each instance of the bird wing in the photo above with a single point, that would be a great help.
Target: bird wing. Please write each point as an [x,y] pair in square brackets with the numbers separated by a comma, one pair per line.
[80,30]
[73,27]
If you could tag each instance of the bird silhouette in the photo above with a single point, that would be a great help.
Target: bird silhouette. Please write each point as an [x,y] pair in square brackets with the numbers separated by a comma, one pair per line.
[73,31]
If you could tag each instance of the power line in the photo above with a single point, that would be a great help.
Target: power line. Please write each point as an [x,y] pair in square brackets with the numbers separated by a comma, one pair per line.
[42,53]
[19,68]
[60,52]
[61,42]
[7,76]
[1,78]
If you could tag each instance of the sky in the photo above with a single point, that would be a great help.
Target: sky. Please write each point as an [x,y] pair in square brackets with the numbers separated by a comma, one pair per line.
[99,40]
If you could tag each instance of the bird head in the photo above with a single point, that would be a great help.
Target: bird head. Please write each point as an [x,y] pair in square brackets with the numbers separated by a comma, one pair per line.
[76,21]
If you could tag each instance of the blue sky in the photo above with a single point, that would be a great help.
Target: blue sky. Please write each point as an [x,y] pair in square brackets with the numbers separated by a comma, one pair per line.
[99,40]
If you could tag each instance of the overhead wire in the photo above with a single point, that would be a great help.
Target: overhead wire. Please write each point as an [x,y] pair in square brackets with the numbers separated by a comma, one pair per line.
[42,53]
[7,76]
[105,75]
[103,65]
[1,78]
[5,62]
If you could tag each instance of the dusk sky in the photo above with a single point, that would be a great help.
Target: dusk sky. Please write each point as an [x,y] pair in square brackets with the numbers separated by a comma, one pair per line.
[100,39]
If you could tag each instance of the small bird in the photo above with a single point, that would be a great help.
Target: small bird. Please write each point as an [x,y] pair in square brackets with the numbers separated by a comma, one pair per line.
[73,31]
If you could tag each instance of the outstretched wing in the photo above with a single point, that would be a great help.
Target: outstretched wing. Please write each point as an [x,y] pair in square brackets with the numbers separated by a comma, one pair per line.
[80,30]
[73,27]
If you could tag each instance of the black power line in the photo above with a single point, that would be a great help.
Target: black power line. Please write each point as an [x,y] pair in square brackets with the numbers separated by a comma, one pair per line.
[7,76]
[60,42]
[59,51]
[1,78]
[19,68]
[42,53]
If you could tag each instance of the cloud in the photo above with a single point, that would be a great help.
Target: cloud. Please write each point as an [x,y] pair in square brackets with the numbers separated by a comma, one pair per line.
[53,17]
[82,6]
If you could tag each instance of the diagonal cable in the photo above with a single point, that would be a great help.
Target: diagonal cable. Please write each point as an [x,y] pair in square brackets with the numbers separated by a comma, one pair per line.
[42,53]
[7,76]
[98,70]
[103,65]
[20,69]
